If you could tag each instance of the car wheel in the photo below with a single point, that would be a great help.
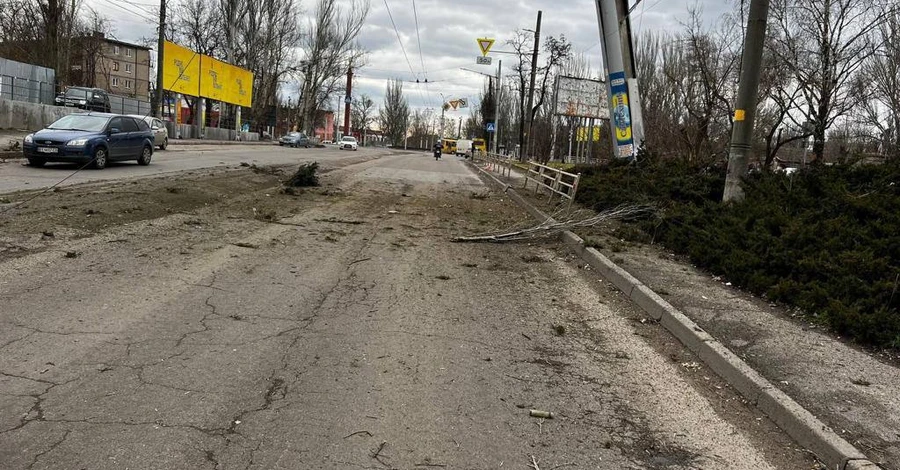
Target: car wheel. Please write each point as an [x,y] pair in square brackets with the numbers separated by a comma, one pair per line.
[146,155]
[281,144]
[37,162]
[100,158]
[164,144]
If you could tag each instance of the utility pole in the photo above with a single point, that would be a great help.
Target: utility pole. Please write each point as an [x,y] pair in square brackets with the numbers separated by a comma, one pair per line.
[496,136]
[625,115]
[745,107]
[530,116]
[347,100]
[158,102]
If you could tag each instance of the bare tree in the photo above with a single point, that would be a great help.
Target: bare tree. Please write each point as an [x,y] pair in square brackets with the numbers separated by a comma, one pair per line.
[394,115]
[824,44]
[362,113]
[331,49]
[882,73]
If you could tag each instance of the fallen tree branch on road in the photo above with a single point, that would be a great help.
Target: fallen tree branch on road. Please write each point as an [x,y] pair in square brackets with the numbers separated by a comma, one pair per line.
[561,222]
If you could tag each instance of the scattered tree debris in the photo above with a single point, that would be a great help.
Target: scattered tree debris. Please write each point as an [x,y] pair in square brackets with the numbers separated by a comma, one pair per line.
[443,277]
[71,254]
[356,433]
[246,245]
[305,176]
[568,221]
[861,382]
[540,414]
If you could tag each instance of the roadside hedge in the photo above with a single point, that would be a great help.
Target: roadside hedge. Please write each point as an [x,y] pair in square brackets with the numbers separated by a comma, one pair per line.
[825,239]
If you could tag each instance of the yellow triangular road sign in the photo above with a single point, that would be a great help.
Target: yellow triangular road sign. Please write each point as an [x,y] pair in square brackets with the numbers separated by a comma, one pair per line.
[485,45]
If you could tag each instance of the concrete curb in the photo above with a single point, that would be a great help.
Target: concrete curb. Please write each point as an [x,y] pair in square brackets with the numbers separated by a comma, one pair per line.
[792,418]
[189,142]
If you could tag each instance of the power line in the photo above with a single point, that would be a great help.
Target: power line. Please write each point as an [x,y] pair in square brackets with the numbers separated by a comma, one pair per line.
[120,7]
[400,41]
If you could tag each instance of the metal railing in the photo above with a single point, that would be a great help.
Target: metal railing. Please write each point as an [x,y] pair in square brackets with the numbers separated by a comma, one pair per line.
[556,182]
[494,162]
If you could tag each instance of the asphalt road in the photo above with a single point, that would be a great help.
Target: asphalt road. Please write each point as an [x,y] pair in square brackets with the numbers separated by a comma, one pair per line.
[15,176]
[342,331]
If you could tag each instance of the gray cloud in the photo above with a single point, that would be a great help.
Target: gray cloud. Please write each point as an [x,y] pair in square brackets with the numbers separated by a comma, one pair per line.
[448,30]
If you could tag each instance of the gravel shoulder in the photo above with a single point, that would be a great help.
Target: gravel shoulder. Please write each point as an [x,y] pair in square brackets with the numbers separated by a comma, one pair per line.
[208,320]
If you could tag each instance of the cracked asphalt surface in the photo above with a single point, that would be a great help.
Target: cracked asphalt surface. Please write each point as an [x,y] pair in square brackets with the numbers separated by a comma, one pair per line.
[207,320]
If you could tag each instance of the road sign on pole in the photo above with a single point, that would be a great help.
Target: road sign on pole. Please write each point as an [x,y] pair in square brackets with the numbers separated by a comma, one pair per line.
[490,127]
[485,45]
[483,60]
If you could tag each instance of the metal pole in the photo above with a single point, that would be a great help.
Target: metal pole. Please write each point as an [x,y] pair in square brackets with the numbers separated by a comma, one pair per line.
[157,105]
[529,118]
[496,136]
[745,108]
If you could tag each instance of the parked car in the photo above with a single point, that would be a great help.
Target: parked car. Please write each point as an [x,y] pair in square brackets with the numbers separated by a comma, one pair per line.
[348,142]
[95,138]
[160,133]
[294,139]
[91,99]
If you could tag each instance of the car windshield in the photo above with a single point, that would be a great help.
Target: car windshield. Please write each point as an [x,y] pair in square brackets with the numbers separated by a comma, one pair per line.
[80,122]
[77,93]
[294,134]
[348,139]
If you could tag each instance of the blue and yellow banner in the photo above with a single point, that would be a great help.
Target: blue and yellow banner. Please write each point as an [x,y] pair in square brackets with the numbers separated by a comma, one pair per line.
[621,114]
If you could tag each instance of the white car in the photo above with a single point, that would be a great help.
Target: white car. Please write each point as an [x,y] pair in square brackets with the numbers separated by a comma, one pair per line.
[348,142]
[160,133]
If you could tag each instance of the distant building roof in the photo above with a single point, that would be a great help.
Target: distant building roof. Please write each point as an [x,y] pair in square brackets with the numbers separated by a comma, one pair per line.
[98,34]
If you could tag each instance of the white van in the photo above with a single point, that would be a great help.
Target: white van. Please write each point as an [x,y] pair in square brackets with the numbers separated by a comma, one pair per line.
[463,147]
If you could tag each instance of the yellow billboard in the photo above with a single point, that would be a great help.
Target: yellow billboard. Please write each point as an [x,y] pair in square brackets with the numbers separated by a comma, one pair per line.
[180,69]
[189,73]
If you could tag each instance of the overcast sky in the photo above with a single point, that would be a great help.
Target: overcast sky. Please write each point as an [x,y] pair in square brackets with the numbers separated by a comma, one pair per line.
[447,32]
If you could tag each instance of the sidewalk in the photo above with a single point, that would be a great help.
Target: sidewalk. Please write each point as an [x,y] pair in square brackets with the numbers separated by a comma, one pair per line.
[853,391]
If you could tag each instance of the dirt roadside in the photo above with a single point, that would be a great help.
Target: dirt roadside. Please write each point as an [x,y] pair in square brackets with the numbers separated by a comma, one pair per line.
[208,321]
[850,388]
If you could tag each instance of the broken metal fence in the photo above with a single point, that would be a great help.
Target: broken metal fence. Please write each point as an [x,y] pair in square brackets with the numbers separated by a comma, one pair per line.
[553,181]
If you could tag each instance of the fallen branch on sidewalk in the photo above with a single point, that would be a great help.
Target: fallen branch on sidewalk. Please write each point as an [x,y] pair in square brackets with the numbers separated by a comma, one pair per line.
[561,222]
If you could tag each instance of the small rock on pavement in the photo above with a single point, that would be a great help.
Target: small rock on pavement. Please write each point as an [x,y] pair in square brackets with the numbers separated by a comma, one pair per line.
[48,234]
[71,254]
[622,355]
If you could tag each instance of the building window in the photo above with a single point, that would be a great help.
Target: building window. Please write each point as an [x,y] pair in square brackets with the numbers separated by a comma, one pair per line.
[115,82]
[128,68]
[128,84]
[127,52]
[115,66]
[116,50]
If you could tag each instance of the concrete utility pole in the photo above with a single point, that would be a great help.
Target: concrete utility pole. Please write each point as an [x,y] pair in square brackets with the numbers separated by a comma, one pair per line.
[158,102]
[534,59]
[625,112]
[745,107]
[347,100]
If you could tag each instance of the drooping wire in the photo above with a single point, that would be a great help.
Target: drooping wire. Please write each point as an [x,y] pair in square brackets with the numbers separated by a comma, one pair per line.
[400,41]
[46,190]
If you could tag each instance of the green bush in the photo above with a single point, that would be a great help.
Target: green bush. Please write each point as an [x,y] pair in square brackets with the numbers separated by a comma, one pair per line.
[826,239]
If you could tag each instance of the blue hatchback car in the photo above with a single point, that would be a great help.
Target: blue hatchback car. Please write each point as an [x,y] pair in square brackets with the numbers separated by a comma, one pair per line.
[95,138]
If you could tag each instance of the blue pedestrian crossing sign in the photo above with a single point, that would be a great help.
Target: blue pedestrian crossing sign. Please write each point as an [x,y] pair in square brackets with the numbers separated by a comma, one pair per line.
[490,127]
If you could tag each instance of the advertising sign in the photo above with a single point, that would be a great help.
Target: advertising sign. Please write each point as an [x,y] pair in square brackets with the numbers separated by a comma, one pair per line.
[621,114]
[581,97]
[189,73]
